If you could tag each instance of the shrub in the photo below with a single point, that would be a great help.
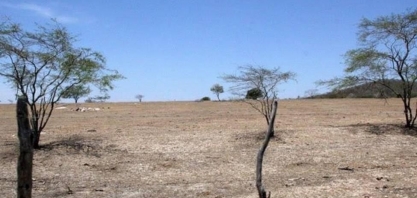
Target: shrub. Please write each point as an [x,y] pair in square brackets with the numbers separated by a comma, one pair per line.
[254,94]
[205,98]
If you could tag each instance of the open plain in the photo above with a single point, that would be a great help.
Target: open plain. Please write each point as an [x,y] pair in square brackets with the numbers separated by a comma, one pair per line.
[323,148]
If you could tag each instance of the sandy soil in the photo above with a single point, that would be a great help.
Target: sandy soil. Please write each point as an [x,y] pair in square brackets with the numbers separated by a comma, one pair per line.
[324,148]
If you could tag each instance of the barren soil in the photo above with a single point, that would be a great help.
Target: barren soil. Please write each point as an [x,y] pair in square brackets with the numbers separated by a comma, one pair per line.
[323,148]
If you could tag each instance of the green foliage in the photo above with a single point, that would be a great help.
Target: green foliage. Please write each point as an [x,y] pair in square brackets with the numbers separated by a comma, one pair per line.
[95,99]
[217,89]
[387,58]
[206,98]
[254,94]
[76,92]
[43,65]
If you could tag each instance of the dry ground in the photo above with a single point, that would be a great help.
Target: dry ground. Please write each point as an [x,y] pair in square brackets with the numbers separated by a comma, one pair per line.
[325,148]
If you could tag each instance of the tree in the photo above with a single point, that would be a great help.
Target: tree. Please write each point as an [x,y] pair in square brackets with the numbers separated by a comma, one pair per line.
[76,92]
[25,160]
[311,93]
[264,79]
[217,89]
[388,53]
[261,152]
[101,99]
[254,94]
[139,97]
[43,64]
[205,98]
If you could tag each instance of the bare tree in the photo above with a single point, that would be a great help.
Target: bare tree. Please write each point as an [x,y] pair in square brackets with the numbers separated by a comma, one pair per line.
[139,97]
[261,78]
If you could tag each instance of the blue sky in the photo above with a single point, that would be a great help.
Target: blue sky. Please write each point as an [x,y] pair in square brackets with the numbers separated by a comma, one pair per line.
[176,50]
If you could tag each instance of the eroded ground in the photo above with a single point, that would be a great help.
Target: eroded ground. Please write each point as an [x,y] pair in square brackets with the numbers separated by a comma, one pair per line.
[324,148]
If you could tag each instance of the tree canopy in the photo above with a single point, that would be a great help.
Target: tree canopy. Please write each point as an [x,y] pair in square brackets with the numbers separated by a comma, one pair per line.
[76,92]
[139,97]
[258,78]
[43,64]
[388,54]
[217,89]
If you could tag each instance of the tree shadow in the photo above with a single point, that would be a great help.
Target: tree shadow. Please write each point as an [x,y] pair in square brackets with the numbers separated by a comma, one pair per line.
[75,144]
[383,129]
[259,136]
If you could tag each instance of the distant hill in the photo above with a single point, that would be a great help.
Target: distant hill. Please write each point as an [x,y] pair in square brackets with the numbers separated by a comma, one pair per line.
[369,90]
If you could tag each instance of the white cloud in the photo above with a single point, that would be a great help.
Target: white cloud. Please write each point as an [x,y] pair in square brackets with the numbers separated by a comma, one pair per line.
[42,11]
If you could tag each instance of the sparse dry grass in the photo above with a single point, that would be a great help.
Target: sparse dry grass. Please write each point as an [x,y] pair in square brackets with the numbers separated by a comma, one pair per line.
[324,148]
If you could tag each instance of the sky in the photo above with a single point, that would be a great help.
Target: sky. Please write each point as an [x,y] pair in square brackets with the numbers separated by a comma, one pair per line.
[176,50]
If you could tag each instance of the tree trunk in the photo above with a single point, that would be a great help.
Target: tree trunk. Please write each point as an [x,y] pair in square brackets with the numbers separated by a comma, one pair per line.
[268,122]
[36,132]
[36,139]
[409,118]
[272,134]
[76,100]
[259,159]
[25,160]
[218,97]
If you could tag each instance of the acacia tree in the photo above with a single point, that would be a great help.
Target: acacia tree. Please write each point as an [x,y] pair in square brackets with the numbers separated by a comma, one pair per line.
[388,54]
[76,92]
[217,89]
[41,65]
[139,97]
[257,77]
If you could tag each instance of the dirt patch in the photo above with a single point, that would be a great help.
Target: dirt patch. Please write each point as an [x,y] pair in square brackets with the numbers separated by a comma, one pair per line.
[323,148]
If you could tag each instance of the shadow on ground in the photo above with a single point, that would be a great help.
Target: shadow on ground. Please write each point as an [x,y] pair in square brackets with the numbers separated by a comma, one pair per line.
[382,129]
[259,136]
[74,144]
